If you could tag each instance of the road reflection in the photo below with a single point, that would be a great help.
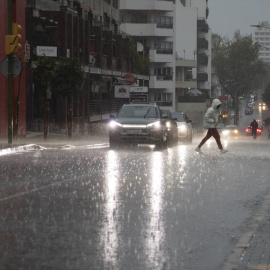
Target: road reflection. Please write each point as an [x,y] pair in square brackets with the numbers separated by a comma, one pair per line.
[156,231]
[110,226]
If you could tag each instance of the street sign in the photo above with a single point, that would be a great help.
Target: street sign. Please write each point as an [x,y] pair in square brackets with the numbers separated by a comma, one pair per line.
[16,69]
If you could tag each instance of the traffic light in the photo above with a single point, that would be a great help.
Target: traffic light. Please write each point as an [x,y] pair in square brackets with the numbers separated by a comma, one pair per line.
[12,44]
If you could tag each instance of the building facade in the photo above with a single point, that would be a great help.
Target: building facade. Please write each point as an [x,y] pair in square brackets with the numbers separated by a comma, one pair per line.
[152,22]
[88,30]
[261,35]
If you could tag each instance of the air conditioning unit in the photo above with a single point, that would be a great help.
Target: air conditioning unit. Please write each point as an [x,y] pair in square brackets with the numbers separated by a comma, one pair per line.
[92,59]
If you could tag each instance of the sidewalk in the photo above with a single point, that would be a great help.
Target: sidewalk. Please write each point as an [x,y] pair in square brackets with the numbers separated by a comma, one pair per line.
[36,139]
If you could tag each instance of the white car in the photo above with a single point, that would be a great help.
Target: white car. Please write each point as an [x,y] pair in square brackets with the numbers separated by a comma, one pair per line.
[184,126]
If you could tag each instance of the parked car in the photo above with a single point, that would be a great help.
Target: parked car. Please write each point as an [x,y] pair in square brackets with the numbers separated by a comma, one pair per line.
[185,128]
[233,131]
[138,124]
[171,126]
[248,111]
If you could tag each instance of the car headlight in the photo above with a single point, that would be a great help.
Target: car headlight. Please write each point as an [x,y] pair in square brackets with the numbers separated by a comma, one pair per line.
[155,125]
[236,131]
[168,124]
[114,125]
[182,128]
[225,132]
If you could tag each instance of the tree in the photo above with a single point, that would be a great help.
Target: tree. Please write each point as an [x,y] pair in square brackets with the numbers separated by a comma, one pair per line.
[266,95]
[68,80]
[238,66]
[44,74]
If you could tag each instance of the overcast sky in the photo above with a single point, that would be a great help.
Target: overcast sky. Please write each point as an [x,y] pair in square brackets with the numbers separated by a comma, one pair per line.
[226,16]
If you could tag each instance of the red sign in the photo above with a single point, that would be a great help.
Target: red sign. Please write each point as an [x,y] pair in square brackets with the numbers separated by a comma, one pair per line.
[130,79]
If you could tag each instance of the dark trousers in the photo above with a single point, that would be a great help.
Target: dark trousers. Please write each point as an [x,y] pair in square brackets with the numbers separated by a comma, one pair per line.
[212,132]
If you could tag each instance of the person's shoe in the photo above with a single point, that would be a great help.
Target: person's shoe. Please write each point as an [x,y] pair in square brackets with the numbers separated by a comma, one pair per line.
[197,149]
[223,151]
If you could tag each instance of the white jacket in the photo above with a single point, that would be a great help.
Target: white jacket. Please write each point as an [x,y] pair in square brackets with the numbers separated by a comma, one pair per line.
[211,115]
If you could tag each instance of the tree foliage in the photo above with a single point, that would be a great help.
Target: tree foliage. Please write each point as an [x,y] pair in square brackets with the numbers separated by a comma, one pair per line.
[266,95]
[44,72]
[68,76]
[237,64]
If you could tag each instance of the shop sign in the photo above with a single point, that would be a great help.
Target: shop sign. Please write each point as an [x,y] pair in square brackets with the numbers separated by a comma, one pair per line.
[121,91]
[138,89]
[46,51]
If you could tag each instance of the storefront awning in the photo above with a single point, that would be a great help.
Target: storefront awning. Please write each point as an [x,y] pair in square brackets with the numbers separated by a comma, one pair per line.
[85,7]
[94,12]
[109,15]
[107,78]
[121,80]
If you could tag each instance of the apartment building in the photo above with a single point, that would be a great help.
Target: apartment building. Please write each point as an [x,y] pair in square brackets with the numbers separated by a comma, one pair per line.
[152,22]
[262,36]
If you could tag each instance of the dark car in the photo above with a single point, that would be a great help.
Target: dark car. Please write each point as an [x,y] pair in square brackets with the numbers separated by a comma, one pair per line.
[171,126]
[184,126]
[138,124]
[248,110]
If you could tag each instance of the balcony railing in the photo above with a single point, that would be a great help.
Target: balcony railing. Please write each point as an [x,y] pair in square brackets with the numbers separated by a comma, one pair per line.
[164,51]
[164,77]
[165,25]
[142,21]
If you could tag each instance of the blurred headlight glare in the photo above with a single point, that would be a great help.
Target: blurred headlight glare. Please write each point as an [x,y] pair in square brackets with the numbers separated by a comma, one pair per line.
[182,128]
[114,124]
[155,125]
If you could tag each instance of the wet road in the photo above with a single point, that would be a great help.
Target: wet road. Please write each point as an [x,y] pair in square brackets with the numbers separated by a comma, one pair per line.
[96,208]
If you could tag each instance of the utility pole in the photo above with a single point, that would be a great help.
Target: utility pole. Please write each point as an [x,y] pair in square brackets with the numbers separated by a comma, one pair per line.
[10,76]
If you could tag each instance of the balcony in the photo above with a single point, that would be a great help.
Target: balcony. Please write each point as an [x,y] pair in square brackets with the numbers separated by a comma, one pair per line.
[150,5]
[202,59]
[203,77]
[145,29]
[185,84]
[161,56]
[161,81]
[202,25]
[202,43]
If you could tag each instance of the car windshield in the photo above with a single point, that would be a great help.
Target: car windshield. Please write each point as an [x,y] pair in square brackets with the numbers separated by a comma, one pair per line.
[231,127]
[138,112]
[179,117]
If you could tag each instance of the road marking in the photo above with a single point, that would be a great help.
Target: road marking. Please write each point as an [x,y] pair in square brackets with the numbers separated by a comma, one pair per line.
[243,243]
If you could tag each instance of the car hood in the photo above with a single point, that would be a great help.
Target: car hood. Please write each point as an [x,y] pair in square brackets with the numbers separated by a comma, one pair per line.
[135,121]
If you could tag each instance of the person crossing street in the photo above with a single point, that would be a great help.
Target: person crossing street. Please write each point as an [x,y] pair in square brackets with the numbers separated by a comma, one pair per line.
[210,123]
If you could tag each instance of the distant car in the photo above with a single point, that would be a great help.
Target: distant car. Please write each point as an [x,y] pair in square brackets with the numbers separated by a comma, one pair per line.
[248,111]
[222,130]
[185,128]
[138,124]
[233,131]
[171,126]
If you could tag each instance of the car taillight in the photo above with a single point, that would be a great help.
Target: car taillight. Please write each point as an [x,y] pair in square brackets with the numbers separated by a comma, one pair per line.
[259,130]
[247,129]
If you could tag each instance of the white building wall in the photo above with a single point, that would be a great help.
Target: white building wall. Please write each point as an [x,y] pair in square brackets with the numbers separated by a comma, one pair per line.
[152,34]
[185,31]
